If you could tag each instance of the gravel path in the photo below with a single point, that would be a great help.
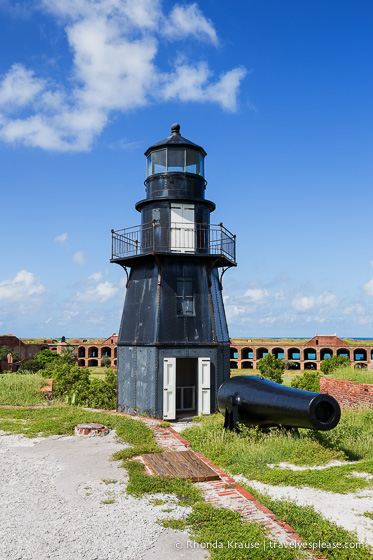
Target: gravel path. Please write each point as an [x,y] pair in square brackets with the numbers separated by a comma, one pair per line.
[51,505]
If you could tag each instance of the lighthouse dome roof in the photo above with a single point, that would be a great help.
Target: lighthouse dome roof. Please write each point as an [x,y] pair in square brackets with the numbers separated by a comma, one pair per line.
[175,139]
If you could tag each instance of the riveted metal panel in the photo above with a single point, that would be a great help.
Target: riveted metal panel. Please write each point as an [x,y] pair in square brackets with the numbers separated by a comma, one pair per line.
[146,380]
[127,366]
[174,328]
[220,322]
[137,379]
[139,315]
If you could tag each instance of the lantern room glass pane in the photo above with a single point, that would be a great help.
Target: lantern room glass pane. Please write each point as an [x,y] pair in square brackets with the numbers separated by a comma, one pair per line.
[175,160]
[159,161]
[192,161]
[201,165]
[149,165]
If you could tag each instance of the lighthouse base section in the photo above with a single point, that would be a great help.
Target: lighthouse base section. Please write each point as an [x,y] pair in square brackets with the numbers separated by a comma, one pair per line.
[171,382]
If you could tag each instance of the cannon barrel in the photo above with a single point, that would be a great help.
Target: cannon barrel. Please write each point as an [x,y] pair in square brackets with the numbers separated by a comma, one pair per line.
[255,401]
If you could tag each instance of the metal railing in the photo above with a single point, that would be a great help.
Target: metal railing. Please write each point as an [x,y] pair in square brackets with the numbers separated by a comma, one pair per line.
[174,237]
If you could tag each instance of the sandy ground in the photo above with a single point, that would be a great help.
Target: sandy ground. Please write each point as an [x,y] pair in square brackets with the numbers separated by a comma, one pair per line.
[51,505]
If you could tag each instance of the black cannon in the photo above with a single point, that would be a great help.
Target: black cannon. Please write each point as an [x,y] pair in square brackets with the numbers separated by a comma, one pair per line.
[255,401]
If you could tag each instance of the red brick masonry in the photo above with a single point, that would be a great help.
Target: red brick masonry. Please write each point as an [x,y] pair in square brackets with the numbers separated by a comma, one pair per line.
[348,393]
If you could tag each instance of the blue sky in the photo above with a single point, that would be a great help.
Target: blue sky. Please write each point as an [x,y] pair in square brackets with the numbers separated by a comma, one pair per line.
[278,93]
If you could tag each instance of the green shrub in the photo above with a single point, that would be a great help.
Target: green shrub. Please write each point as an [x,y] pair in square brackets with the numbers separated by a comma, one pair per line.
[271,368]
[31,366]
[76,385]
[309,381]
[106,362]
[103,393]
[330,364]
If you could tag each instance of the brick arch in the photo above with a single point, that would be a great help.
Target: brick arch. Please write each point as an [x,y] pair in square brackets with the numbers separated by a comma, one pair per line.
[247,365]
[326,353]
[93,352]
[360,355]
[261,352]
[310,365]
[278,351]
[291,352]
[247,353]
[308,352]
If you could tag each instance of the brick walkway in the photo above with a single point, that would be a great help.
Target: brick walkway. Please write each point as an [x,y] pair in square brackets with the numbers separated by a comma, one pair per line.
[225,492]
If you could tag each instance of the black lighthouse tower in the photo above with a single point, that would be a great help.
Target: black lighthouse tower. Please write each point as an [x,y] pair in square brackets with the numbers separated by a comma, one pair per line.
[173,344]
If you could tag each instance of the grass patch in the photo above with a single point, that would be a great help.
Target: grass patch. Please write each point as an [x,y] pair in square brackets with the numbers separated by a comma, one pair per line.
[313,528]
[227,537]
[21,390]
[249,452]
[348,373]
[52,420]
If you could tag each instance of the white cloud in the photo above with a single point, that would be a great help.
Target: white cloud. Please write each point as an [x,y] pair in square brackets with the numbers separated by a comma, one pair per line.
[191,83]
[61,238]
[100,293]
[79,258]
[256,295]
[306,303]
[315,319]
[68,315]
[95,277]
[354,309]
[189,20]
[114,45]
[368,287]
[21,287]
[19,87]
[268,320]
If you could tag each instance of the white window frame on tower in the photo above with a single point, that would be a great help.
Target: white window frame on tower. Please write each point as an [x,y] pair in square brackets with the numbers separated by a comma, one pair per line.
[182,228]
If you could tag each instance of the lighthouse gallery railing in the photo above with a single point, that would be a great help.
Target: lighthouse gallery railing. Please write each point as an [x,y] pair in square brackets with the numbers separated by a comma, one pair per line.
[174,237]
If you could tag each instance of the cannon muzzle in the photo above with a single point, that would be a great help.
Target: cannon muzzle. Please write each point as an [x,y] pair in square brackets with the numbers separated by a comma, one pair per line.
[255,401]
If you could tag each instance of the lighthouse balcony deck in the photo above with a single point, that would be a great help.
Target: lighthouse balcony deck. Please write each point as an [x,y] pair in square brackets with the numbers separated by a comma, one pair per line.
[183,238]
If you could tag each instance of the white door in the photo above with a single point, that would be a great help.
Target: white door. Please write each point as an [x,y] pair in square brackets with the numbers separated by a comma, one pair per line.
[169,388]
[182,228]
[203,406]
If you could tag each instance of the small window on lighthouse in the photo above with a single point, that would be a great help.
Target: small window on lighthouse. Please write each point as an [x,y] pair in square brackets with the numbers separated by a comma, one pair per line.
[201,166]
[192,161]
[159,161]
[175,160]
[184,295]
